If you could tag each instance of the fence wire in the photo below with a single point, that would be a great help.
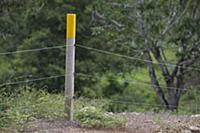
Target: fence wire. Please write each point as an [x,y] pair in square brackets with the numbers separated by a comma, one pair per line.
[99,51]
[104,52]
[133,58]
[32,50]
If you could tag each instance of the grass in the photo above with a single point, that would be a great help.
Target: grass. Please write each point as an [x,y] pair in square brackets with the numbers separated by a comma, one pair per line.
[92,117]
[30,105]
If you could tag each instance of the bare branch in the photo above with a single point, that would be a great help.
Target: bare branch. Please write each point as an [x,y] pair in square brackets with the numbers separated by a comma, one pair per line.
[101,16]
[118,5]
[172,21]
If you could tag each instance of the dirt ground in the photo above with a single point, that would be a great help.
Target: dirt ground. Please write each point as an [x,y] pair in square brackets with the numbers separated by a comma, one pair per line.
[136,123]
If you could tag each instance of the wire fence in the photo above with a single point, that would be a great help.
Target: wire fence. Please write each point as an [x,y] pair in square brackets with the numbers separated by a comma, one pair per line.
[82,74]
[99,51]
[128,101]
[96,50]
[32,50]
[103,52]
[132,58]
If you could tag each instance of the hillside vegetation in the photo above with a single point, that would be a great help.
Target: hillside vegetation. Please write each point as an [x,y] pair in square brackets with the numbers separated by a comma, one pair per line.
[131,56]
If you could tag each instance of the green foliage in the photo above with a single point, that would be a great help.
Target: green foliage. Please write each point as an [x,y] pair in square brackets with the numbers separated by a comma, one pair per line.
[189,102]
[4,106]
[101,24]
[106,86]
[29,105]
[92,117]
[127,89]
[85,102]
[127,103]
[108,25]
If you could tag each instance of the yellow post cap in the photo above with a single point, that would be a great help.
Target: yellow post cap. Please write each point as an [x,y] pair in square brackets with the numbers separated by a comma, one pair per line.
[71,25]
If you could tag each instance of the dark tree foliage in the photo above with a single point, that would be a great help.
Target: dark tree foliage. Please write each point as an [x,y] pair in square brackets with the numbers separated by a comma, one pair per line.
[143,29]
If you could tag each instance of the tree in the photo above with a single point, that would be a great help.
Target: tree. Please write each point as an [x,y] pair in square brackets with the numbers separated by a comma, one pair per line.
[157,26]
[144,29]
[32,25]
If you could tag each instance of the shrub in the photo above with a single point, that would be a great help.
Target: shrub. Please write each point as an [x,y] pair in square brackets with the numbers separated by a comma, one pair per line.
[92,117]
[28,105]
[4,106]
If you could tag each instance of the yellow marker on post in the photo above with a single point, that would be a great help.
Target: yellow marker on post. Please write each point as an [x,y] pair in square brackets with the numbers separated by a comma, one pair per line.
[70,64]
[71,26]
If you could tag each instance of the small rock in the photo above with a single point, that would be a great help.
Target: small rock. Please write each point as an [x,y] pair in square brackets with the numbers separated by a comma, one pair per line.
[135,113]
[195,116]
[123,113]
[187,131]
[149,121]
[110,113]
[194,129]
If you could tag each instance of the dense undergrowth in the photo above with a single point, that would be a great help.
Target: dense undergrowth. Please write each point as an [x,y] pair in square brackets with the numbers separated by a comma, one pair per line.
[17,110]
[28,105]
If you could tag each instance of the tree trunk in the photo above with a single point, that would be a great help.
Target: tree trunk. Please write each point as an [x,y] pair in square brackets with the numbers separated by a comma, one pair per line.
[155,83]
[172,100]
[171,95]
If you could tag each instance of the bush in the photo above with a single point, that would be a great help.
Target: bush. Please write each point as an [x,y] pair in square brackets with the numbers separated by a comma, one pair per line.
[189,102]
[28,105]
[4,106]
[92,117]
[130,104]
